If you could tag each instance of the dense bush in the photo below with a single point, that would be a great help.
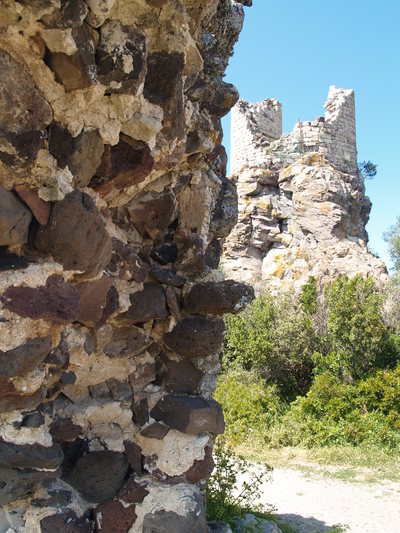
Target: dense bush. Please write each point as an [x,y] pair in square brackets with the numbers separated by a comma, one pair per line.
[334,352]
[274,338]
[333,413]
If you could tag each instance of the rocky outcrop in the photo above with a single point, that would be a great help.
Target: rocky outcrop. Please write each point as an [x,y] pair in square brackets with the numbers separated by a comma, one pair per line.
[113,205]
[302,203]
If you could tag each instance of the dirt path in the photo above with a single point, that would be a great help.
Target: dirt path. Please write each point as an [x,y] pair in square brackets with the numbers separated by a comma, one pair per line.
[311,502]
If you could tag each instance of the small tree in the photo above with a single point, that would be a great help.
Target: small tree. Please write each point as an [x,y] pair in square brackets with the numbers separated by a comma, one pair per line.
[392,238]
[368,169]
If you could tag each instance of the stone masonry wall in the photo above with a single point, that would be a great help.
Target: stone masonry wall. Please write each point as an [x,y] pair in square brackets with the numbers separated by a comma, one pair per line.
[113,205]
[255,127]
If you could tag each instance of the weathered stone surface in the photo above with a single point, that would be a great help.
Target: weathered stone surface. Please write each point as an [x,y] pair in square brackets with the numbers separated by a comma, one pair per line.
[191,257]
[144,375]
[10,400]
[225,214]
[125,262]
[250,521]
[82,154]
[170,522]
[33,420]
[113,516]
[66,522]
[121,57]
[148,303]
[163,74]
[213,254]
[133,492]
[75,235]
[155,430]
[196,336]
[70,13]
[173,302]
[11,261]
[25,358]
[14,219]
[127,341]
[57,301]
[178,376]
[168,277]
[140,412]
[57,498]
[64,430]
[39,208]
[19,483]
[201,470]
[217,298]
[134,457]
[24,114]
[219,527]
[121,391]
[77,71]
[189,414]
[30,456]
[98,476]
[99,300]
[217,96]
[123,165]
[165,253]
[152,212]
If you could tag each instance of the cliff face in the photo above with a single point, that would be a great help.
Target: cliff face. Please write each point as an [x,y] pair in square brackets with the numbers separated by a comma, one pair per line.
[113,203]
[302,203]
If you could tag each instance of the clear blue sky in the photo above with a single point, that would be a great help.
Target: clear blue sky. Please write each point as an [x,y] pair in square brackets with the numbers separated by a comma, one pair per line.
[293,50]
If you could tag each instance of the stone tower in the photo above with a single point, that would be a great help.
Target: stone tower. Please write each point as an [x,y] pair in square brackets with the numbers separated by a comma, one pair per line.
[302,203]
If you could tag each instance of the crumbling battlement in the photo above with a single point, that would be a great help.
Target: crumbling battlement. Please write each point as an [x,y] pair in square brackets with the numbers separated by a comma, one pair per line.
[257,128]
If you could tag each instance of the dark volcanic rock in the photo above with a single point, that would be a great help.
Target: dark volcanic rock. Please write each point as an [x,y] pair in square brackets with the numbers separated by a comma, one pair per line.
[30,455]
[213,254]
[75,235]
[178,376]
[140,412]
[127,341]
[64,430]
[70,13]
[11,261]
[165,253]
[25,358]
[98,476]
[123,165]
[57,301]
[191,257]
[121,57]
[15,218]
[114,517]
[125,261]
[99,300]
[189,414]
[225,214]
[152,212]
[155,431]
[196,336]
[133,492]
[24,114]
[173,302]
[215,95]
[164,72]
[82,154]
[27,402]
[168,277]
[201,470]
[66,522]
[33,420]
[19,483]
[77,71]
[121,391]
[145,373]
[148,304]
[57,498]
[134,456]
[217,298]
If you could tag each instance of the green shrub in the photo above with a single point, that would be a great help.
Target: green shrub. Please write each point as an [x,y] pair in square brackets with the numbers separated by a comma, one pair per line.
[227,495]
[333,413]
[274,338]
[251,409]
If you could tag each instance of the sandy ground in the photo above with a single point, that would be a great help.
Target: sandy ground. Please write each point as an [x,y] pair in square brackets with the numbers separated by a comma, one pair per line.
[314,503]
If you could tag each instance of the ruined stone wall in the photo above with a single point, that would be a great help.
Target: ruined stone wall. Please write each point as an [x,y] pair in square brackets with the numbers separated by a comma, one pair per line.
[253,128]
[113,204]
[302,203]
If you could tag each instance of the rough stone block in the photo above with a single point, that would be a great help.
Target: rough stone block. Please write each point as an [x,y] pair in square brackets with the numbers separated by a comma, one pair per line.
[189,414]
[217,298]
[15,218]
[196,336]
[25,358]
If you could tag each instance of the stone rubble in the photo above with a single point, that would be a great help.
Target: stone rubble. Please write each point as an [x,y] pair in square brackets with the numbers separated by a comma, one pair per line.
[114,203]
[302,203]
